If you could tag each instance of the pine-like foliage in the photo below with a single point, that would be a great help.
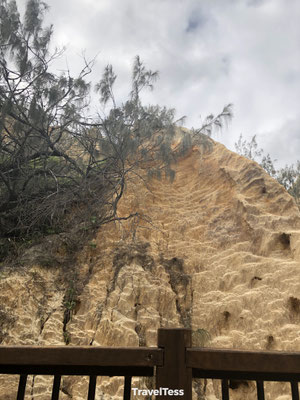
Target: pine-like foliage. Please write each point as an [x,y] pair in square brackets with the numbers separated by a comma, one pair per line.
[39,177]
[288,177]
[58,168]
[132,135]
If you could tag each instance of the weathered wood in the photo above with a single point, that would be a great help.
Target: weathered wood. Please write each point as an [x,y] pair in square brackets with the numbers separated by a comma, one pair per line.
[22,387]
[92,387]
[127,388]
[239,364]
[295,390]
[245,376]
[84,355]
[175,361]
[260,390]
[225,389]
[174,374]
[55,388]
[76,370]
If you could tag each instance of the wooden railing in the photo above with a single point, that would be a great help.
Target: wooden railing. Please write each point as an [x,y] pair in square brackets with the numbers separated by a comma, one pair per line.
[174,363]
[84,361]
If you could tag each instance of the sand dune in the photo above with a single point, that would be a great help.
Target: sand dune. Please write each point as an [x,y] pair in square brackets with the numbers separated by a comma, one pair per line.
[217,249]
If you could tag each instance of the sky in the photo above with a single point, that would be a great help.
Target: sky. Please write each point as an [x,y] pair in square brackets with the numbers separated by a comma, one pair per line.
[208,53]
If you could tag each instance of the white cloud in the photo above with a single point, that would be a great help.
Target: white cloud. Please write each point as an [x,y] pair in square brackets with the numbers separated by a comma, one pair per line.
[208,53]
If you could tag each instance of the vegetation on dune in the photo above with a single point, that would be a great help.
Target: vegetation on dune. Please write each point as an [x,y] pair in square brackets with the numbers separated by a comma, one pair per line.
[289,176]
[60,167]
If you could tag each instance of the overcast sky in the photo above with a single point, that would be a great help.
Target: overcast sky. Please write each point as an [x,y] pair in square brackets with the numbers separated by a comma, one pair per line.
[208,53]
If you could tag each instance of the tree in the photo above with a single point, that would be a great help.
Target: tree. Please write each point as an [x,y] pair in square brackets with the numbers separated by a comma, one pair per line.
[288,177]
[56,164]
[38,175]
[248,149]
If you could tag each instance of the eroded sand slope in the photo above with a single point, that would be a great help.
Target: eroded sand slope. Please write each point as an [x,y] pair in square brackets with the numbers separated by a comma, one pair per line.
[217,249]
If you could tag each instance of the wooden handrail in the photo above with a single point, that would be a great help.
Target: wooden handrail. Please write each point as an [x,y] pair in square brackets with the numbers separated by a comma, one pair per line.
[242,364]
[81,356]
[174,361]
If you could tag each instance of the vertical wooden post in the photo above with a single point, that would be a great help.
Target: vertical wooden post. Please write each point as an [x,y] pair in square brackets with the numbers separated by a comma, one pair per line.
[174,374]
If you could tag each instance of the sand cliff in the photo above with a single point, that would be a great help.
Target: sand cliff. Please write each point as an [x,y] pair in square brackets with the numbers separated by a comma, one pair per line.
[218,249]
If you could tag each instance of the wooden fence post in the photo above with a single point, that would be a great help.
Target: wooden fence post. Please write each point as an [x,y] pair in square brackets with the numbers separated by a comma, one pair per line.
[174,373]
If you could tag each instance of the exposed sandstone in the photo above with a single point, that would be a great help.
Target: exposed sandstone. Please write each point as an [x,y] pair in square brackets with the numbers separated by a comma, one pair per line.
[217,249]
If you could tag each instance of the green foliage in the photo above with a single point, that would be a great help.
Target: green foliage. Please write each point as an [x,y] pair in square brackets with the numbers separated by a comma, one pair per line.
[58,168]
[289,176]
[132,132]
[268,165]
[69,300]
[200,337]
[104,87]
[248,149]
[67,337]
